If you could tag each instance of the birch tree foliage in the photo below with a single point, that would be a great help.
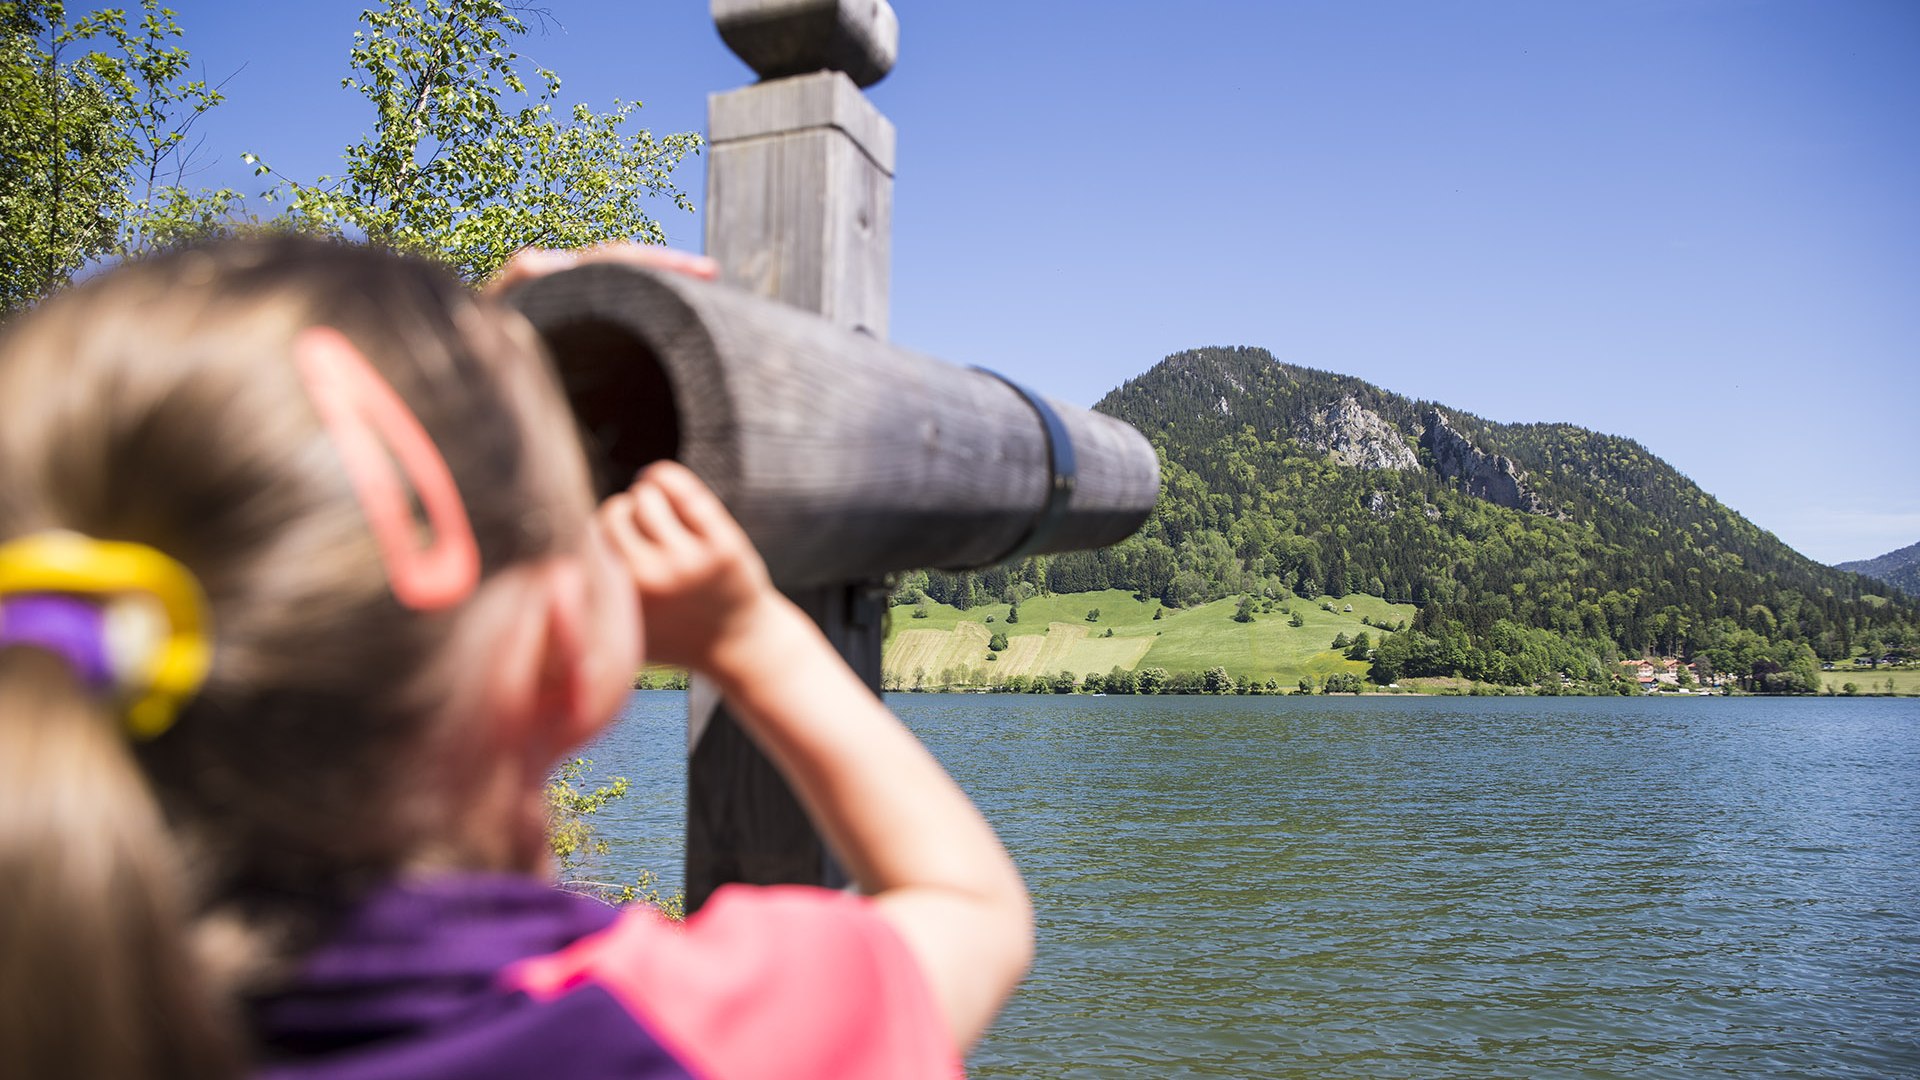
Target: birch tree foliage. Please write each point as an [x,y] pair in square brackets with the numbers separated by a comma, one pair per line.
[163,97]
[63,152]
[466,162]
[96,119]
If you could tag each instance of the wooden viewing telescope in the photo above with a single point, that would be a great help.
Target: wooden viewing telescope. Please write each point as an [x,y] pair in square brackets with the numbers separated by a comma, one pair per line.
[843,457]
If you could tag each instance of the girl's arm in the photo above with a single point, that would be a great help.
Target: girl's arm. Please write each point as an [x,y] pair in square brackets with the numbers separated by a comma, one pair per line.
[904,830]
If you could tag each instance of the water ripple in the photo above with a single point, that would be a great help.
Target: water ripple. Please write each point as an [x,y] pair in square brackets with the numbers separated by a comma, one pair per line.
[1432,887]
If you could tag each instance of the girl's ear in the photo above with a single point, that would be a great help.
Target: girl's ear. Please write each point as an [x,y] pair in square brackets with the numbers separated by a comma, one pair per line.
[560,655]
[535,668]
[571,703]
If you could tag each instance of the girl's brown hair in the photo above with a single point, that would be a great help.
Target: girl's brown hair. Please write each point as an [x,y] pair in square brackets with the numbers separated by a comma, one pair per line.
[159,404]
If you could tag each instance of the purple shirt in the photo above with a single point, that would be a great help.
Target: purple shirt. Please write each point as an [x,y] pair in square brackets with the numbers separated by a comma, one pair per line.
[409,986]
[489,976]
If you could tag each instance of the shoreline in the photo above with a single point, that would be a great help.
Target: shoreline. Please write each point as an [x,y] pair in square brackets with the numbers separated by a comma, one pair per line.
[1508,692]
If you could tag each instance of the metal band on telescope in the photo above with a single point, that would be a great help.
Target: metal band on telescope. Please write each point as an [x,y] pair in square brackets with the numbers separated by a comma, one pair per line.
[1063,473]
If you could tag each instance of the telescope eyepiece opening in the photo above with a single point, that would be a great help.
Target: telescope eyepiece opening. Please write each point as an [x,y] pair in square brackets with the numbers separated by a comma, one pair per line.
[621,396]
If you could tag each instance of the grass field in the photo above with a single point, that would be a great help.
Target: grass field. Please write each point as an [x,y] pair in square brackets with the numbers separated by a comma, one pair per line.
[1869,681]
[1054,635]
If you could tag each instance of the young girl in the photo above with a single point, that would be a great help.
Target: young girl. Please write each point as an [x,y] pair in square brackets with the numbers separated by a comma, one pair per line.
[302,597]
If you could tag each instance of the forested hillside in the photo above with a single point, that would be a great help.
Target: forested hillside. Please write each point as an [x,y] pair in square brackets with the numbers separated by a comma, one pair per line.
[1900,569]
[1528,548]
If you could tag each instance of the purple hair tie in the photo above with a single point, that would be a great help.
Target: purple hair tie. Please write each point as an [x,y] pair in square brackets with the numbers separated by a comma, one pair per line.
[74,630]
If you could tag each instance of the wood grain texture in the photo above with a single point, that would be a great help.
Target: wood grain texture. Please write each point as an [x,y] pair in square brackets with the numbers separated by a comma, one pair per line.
[799,210]
[820,99]
[743,822]
[842,456]
[800,197]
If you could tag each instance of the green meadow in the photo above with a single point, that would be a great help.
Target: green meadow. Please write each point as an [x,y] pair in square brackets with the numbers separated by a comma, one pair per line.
[1906,681]
[1054,634]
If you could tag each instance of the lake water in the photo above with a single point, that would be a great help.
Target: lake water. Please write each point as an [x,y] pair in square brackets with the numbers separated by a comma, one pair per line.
[1387,887]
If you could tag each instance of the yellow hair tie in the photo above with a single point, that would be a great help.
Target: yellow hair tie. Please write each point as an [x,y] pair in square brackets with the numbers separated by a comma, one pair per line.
[166,672]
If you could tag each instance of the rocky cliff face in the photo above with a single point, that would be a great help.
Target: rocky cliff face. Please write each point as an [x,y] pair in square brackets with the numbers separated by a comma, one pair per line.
[1485,476]
[1358,437]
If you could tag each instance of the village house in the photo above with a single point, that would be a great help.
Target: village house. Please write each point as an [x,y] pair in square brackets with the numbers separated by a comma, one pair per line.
[1656,673]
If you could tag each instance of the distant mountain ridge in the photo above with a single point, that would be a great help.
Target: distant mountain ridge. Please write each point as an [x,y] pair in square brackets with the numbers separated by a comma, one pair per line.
[1533,552]
[1324,482]
[1561,469]
[1900,569]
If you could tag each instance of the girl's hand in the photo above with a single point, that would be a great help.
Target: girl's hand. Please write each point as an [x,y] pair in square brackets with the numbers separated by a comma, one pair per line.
[899,824]
[702,586]
[529,263]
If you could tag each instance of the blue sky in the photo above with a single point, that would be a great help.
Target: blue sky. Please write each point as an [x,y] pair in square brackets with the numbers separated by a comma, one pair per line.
[1695,223]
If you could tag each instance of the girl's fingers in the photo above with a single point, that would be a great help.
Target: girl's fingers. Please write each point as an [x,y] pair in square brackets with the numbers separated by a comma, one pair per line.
[656,518]
[654,257]
[616,517]
[529,263]
[693,501]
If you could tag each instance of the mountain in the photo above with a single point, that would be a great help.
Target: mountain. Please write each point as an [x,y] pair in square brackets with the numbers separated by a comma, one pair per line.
[1900,569]
[1530,549]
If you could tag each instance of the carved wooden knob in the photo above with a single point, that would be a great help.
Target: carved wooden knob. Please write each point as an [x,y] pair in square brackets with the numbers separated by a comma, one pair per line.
[778,38]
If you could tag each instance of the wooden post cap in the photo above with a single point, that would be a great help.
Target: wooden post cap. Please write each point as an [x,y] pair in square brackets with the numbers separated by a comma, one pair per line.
[778,38]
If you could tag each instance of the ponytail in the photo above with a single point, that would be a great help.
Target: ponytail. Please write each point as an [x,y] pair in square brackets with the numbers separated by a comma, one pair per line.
[97,976]
[176,832]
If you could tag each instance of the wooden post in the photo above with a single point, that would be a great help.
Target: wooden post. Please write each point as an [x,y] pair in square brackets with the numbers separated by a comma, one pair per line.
[799,209]
[843,457]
